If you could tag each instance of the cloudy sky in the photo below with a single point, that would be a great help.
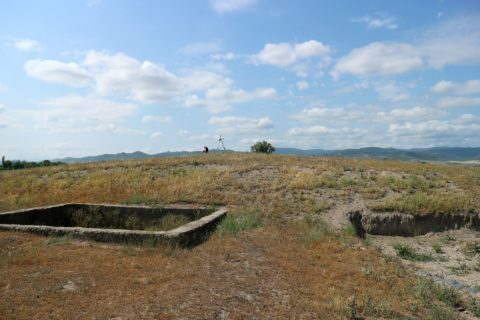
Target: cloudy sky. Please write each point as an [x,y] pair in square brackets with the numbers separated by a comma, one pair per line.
[86,77]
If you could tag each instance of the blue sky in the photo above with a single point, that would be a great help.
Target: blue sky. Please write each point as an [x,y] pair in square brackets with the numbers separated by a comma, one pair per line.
[103,76]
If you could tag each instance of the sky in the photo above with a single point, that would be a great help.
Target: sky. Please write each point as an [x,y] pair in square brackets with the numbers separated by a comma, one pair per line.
[87,77]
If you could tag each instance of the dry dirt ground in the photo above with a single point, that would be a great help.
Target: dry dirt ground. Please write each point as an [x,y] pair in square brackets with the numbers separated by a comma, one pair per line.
[260,274]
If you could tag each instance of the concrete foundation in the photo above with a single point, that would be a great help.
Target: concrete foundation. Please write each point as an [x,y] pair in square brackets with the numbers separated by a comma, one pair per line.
[116,223]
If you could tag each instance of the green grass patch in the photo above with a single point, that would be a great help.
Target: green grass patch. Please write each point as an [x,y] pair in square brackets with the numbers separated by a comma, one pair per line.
[314,228]
[59,240]
[411,184]
[234,223]
[425,203]
[409,253]
[141,200]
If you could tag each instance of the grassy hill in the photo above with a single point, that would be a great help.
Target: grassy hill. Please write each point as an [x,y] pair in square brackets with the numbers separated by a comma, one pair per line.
[426,154]
[278,254]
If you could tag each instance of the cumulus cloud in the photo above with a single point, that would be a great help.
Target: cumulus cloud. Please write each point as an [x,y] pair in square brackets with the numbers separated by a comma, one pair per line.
[150,118]
[316,114]
[242,125]
[379,58]
[469,87]
[225,6]
[70,74]
[379,22]
[409,114]
[75,113]
[435,129]
[224,56]
[146,82]
[323,131]
[287,54]
[456,41]
[458,102]
[218,99]
[391,91]
[23,44]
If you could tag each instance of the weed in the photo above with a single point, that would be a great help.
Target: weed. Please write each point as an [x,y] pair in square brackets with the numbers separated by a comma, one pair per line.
[58,240]
[352,308]
[234,223]
[314,228]
[139,199]
[437,247]
[459,269]
[474,306]
[409,253]
[471,248]
[448,238]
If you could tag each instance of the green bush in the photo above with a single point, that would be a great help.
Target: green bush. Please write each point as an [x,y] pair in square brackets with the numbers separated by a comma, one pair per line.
[262,147]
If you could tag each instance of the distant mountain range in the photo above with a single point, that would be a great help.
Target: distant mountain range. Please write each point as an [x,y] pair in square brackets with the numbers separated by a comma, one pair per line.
[418,154]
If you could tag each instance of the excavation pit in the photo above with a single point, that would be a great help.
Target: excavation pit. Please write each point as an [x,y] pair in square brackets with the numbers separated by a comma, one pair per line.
[116,223]
[401,224]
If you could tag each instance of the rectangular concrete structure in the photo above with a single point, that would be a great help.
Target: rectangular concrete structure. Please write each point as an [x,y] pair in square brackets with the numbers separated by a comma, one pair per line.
[57,221]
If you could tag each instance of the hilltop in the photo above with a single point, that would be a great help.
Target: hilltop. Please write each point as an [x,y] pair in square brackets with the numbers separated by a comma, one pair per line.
[419,154]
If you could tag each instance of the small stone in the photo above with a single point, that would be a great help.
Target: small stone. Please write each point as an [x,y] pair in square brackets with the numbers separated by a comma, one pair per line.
[70,286]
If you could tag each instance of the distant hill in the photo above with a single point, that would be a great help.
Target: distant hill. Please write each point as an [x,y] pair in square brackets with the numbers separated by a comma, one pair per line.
[418,154]
[126,156]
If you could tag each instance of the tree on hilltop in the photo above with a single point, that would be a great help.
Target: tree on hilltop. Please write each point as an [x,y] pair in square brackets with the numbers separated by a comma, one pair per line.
[262,147]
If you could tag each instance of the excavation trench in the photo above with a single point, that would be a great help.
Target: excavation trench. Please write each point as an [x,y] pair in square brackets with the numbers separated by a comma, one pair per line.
[401,224]
[116,223]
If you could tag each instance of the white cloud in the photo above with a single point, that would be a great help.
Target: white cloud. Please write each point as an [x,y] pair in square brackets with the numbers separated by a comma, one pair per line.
[201,48]
[409,114]
[322,131]
[141,81]
[147,82]
[316,114]
[224,56]
[24,44]
[386,22]
[456,41]
[302,85]
[380,58]
[287,54]
[182,132]
[2,108]
[242,125]
[82,114]
[439,130]
[150,118]
[218,99]
[225,6]
[156,135]
[469,87]
[458,102]
[53,71]
[392,92]
[3,88]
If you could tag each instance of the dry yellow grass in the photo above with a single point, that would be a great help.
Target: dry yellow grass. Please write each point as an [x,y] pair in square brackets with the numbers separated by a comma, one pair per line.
[289,267]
